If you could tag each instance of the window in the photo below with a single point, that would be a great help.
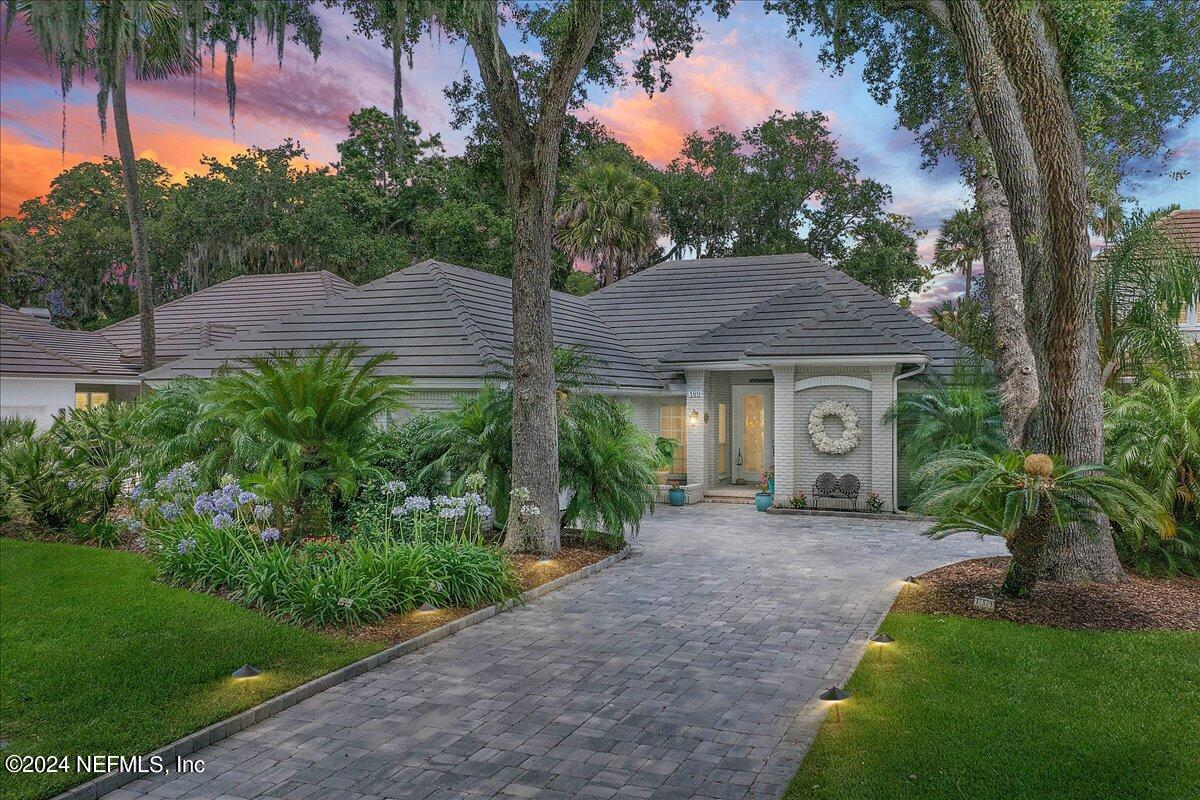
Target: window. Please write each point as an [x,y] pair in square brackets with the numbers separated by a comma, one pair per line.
[88,399]
[722,439]
[674,426]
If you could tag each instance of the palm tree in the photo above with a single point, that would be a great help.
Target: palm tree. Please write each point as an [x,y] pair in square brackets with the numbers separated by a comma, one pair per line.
[1105,212]
[608,216]
[956,414]
[1022,497]
[104,39]
[960,244]
[967,322]
[1144,281]
[153,39]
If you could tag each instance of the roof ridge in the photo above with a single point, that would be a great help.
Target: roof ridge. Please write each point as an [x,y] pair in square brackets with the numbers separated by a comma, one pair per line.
[749,313]
[478,338]
[49,352]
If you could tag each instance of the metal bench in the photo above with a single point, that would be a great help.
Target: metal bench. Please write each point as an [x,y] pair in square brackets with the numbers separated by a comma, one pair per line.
[832,487]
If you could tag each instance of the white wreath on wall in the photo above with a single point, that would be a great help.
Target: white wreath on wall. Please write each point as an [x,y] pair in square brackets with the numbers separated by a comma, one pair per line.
[822,440]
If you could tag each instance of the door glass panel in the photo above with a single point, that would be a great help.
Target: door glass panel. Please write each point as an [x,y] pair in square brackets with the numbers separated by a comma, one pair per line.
[753,434]
[722,440]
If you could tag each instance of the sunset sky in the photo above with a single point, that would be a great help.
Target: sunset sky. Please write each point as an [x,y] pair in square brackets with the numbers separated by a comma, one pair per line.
[745,68]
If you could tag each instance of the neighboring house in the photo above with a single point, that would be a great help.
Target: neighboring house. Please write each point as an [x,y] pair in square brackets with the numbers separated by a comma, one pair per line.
[45,369]
[1183,227]
[222,311]
[728,356]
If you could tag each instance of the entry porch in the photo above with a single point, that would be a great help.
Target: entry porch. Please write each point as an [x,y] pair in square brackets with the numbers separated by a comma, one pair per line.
[740,424]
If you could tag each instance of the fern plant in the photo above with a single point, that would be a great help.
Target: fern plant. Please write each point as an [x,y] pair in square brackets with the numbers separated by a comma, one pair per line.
[1022,497]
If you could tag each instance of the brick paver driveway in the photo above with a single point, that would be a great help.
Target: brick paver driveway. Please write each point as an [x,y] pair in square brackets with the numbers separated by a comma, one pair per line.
[688,670]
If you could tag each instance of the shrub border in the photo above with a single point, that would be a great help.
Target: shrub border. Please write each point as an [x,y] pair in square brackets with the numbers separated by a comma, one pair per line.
[225,728]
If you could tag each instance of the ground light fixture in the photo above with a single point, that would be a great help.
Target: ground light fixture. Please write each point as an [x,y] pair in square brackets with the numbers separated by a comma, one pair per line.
[427,607]
[880,638]
[246,671]
[835,695]
[911,581]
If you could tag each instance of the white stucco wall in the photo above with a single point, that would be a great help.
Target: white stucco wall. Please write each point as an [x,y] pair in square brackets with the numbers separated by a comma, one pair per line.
[36,398]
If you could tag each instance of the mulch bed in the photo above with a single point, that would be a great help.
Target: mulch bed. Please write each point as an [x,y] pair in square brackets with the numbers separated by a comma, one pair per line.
[531,573]
[1141,604]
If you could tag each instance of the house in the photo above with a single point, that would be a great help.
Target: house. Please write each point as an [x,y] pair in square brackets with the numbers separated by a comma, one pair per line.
[1182,226]
[747,362]
[45,369]
[224,310]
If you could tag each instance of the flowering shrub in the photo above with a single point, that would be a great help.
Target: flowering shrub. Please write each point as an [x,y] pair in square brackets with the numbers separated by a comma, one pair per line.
[875,503]
[421,550]
[799,500]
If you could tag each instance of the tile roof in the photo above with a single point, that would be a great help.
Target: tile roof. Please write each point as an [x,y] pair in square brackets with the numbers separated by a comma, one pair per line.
[440,321]
[1183,226]
[221,311]
[755,307]
[32,347]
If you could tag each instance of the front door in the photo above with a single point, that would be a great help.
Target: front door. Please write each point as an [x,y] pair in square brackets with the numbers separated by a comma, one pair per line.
[753,421]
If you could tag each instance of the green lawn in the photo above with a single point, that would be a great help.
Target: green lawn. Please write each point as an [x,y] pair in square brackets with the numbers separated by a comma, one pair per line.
[969,709]
[97,658]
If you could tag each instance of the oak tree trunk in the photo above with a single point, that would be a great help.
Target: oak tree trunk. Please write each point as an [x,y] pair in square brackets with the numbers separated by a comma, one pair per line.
[1013,359]
[133,207]
[530,150]
[1072,408]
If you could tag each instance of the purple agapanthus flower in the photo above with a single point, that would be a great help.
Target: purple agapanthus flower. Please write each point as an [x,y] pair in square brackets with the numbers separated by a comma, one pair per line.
[186,545]
[263,512]
[222,520]
[225,504]
[170,511]
[246,497]
[203,505]
[270,535]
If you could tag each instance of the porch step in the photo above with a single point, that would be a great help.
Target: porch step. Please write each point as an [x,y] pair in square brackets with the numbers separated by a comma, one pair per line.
[730,494]
[730,499]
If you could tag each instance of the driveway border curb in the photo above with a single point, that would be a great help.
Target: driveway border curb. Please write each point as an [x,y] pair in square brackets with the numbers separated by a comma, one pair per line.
[111,781]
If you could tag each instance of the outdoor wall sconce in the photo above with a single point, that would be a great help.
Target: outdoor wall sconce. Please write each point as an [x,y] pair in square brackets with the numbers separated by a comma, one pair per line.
[694,418]
[246,671]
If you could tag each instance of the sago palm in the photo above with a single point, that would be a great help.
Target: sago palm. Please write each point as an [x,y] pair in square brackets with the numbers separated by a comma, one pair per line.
[1023,497]
[1153,434]
[609,217]
[316,410]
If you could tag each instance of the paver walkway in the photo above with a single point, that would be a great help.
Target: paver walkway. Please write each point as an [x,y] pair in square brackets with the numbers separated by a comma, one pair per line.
[689,670]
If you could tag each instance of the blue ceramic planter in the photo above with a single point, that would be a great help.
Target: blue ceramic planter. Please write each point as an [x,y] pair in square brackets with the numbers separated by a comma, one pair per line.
[676,496]
[763,500]
[771,486]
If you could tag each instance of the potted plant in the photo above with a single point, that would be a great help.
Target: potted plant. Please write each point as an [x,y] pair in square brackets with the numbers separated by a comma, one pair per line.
[800,500]
[665,450]
[769,477]
[764,498]
[676,496]
[874,503]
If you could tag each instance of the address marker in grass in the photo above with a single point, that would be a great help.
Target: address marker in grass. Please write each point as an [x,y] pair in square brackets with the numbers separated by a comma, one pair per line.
[246,671]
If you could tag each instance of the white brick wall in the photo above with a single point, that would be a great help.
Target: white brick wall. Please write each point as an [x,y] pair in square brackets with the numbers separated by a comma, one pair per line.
[785,434]
[810,462]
